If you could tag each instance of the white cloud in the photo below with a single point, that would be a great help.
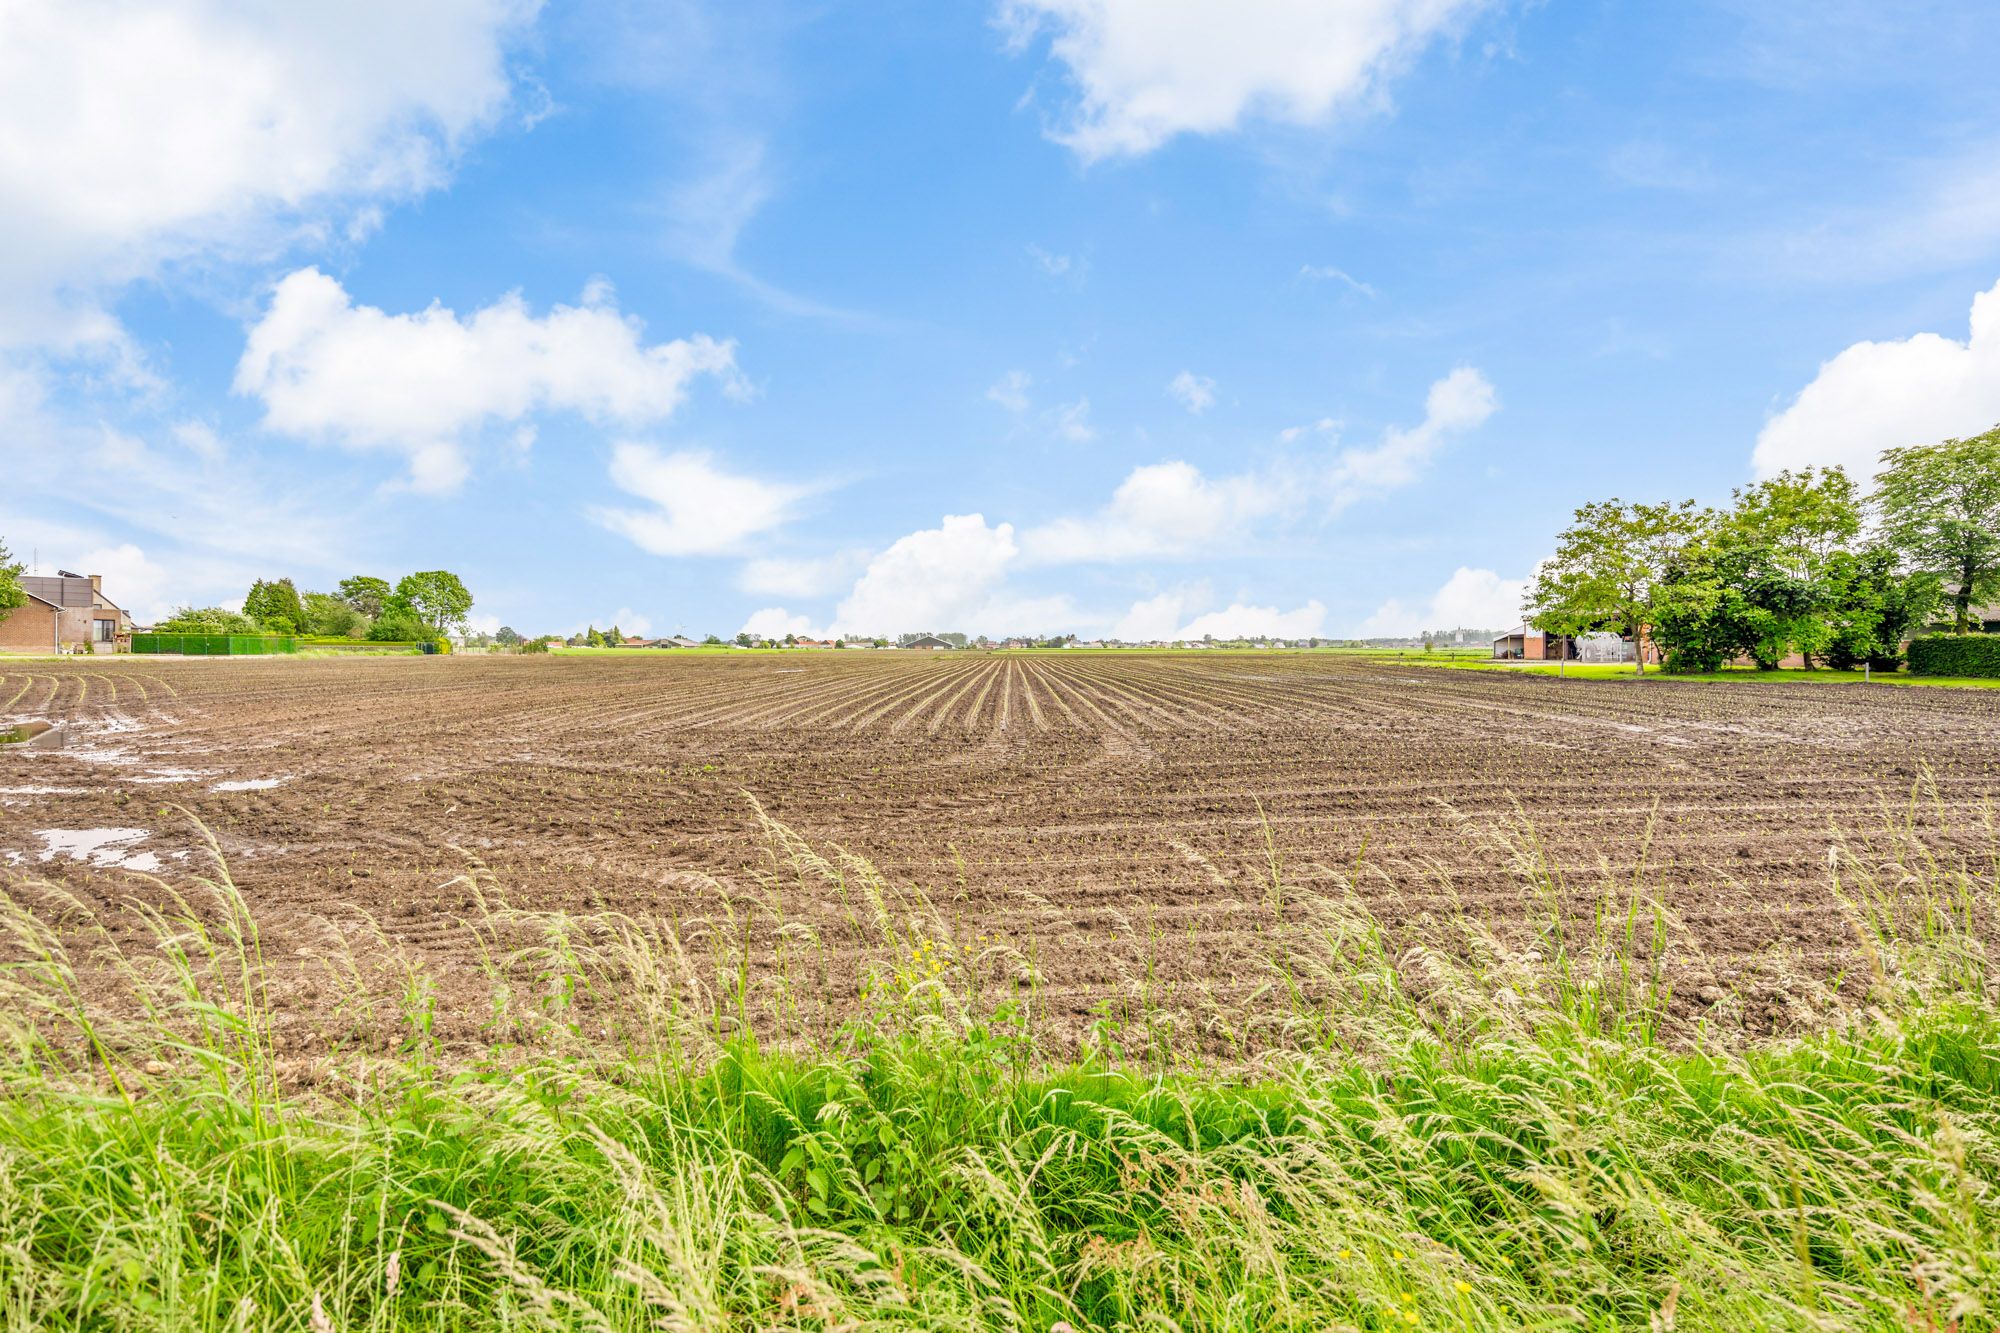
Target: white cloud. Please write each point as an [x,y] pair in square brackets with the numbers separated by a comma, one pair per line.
[1324,426]
[1881,395]
[136,132]
[1058,266]
[1328,273]
[1011,390]
[1237,621]
[1161,509]
[1194,392]
[932,579]
[698,509]
[1459,402]
[632,624]
[774,622]
[1470,598]
[1174,510]
[1147,70]
[418,384]
[1156,617]
[1072,422]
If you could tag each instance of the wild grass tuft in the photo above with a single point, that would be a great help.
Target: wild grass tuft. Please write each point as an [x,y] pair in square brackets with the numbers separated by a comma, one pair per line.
[730,1122]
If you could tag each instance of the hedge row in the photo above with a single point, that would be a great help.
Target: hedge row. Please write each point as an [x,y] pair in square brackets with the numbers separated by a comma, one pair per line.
[1955,655]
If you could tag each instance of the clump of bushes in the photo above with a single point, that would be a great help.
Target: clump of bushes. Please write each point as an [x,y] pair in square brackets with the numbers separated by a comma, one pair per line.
[1956,655]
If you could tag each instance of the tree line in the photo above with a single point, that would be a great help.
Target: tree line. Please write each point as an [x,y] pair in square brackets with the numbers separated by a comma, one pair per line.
[430,604]
[1799,563]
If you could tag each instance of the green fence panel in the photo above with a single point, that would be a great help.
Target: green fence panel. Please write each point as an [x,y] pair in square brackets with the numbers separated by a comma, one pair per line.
[214,645]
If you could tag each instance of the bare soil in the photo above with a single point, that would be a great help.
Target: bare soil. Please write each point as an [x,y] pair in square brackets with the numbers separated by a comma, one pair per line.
[1112,817]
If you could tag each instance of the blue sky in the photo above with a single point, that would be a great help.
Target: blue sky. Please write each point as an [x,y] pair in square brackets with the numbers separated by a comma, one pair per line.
[1148,317]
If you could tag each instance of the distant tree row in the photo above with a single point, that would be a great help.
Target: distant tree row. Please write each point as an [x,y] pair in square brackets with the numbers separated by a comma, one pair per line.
[426,605]
[1799,563]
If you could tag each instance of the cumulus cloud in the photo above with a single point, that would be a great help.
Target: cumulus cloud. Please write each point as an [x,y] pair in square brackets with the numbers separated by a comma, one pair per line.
[1174,510]
[1237,621]
[1459,402]
[774,622]
[141,131]
[1161,509]
[1011,390]
[1882,395]
[697,507]
[1471,598]
[931,579]
[1167,616]
[1148,70]
[418,384]
[1194,392]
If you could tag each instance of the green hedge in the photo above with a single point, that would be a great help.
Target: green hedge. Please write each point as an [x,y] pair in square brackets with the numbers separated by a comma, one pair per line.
[1955,655]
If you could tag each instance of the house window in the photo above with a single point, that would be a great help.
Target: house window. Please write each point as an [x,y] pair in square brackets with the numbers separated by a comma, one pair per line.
[104,631]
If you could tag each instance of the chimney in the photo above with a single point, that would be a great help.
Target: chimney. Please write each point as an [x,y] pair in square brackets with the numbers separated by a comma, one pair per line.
[97,583]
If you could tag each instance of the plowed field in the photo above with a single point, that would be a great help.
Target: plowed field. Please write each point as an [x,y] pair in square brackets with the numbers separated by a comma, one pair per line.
[1119,818]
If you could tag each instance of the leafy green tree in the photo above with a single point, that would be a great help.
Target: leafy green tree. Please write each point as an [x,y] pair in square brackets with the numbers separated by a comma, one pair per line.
[365,594]
[743,639]
[12,594]
[206,620]
[331,616]
[614,636]
[713,639]
[398,623]
[1802,518]
[1609,564]
[1872,606]
[593,638]
[438,598]
[1720,599]
[275,606]
[507,637]
[1939,506]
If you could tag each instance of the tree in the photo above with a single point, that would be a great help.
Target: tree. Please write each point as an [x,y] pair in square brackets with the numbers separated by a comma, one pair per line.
[1608,565]
[366,595]
[507,637]
[1939,507]
[206,620]
[398,623]
[1872,607]
[743,639]
[1802,518]
[593,638]
[1721,599]
[275,606]
[11,592]
[332,616]
[438,598]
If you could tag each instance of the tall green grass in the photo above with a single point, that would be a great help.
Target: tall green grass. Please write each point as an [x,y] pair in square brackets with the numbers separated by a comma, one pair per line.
[704,1126]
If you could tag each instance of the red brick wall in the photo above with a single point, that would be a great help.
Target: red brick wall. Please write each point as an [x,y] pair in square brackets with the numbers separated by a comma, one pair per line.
[28,629]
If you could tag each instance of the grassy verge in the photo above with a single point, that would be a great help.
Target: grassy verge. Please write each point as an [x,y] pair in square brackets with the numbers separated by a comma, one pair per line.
[1626,671]
[1456,1132]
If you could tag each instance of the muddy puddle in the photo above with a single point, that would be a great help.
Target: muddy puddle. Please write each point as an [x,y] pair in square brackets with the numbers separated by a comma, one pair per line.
[33,735]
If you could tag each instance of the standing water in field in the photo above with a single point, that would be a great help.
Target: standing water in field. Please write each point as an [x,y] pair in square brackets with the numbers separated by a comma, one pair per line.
[40,735]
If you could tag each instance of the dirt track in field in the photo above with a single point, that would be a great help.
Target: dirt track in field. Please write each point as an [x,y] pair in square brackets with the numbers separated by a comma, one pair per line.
[1105,813]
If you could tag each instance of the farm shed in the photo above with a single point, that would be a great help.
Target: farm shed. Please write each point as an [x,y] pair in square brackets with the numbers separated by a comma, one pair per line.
[66,613]
[930,641]
[1526,644]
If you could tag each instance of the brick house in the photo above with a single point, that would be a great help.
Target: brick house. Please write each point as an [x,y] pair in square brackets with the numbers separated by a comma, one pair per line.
[65,613]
